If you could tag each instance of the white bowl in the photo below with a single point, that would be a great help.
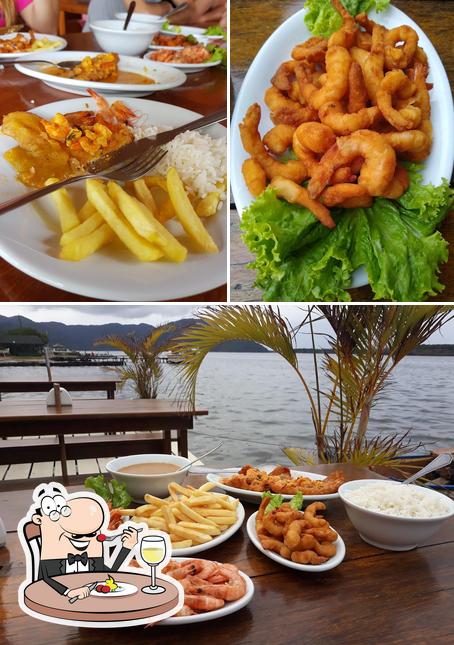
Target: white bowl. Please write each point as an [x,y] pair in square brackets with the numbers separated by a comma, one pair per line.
[132,42]
[138,485]
[147,18]
[389,531]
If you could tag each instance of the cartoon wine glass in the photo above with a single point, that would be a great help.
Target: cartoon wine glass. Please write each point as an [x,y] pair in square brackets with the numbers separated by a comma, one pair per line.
[153,552]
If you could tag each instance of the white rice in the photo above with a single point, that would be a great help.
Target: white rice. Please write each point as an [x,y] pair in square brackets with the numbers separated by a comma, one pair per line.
[398,500]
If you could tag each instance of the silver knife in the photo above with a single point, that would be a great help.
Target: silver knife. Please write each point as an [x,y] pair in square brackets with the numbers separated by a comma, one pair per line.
[91,586]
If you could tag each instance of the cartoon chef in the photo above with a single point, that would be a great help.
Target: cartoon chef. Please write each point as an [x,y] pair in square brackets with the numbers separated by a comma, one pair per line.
[71,537]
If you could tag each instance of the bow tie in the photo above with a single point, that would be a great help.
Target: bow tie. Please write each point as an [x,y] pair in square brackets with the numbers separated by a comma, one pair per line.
[83,557]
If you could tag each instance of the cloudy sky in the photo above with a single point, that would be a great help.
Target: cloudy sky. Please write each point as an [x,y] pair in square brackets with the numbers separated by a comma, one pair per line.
[88,314]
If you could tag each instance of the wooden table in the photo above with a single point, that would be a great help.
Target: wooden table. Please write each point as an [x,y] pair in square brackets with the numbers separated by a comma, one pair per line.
[374,596]
[203,92]
[87,384]
[31,418]
[253,21]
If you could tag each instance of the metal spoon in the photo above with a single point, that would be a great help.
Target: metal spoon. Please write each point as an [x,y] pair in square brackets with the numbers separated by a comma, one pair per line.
[198,458]
[131,9]
[439,462]
[178,8]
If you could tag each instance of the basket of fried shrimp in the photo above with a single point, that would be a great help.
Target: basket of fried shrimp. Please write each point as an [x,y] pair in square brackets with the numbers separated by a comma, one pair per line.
[347,110]
[298,539]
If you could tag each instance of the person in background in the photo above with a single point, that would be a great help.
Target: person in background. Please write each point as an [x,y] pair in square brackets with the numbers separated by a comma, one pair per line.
[199,13]
[39,15]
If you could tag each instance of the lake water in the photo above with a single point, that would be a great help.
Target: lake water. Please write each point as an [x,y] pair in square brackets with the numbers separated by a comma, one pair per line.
[257,404]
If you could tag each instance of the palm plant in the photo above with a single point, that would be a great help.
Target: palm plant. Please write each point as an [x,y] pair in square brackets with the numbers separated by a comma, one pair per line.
[367,343]
[143,369]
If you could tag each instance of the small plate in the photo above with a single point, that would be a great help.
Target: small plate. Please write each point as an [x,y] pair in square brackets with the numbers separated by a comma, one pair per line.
[192,550]
[189,68]
[312,568]
[125,589]
[35,52]
[228,608]
[255,497]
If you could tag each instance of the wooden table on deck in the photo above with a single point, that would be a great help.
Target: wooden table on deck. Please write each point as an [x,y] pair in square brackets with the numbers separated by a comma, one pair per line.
[87,384]
[203,92]
[374,596]
[253,21]
[31,418]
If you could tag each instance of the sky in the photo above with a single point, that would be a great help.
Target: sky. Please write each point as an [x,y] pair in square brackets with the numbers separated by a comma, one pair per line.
[88,314]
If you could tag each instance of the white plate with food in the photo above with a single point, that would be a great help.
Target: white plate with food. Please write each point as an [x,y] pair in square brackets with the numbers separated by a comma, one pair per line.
[116,588]
[177,30]
[255,497]
[277,49]
[331,563]
[40,44]
[188,68]
[130,76]
[176,42]
[30,236]
[229,607]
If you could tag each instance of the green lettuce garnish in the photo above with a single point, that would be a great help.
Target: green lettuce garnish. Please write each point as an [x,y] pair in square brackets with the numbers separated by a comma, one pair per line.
[297,501]
[215,30]
[176,29]
[110,490]
[322,19]
[298,259]
[217,53]
[276,501]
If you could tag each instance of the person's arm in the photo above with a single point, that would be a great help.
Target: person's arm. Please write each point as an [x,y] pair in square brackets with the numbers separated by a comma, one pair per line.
[59,588]
[199,13]
[41,15]
[158,9]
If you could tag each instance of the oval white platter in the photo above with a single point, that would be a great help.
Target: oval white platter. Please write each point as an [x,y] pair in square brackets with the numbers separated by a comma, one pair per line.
[219,539]
[277,49]
[228,608]
[36,53]
[312,568]
[29,237]
[189,68]
[165,78]
[255,497]
[126,589]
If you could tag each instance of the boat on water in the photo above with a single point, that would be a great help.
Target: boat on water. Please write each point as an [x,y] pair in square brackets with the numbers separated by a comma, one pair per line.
[171,357]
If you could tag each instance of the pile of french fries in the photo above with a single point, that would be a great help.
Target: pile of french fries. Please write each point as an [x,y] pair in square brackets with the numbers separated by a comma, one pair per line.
[136,215]
[189,515]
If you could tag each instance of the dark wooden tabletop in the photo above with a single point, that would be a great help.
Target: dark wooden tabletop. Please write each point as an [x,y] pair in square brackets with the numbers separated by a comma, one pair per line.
[203,92]
[374,596]
[253,21]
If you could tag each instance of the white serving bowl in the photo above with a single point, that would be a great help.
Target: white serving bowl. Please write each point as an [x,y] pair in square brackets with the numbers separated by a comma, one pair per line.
[389,531]
[132,42]
[138,485]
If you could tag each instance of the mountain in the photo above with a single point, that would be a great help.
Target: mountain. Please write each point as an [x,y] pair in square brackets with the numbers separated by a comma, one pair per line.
[83,337]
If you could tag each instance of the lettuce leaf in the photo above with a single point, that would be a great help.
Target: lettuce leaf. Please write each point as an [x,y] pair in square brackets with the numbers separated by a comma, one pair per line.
[322,19]
[216,30]
[217,53]
[110,490]
[298,259]
[275,501]
[297,501]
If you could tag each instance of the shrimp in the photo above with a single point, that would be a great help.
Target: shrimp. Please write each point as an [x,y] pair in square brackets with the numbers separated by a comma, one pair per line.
[373,64]
[400,56]
[234,588]
[293,536]
[323,534]
[295,194]
[254,176]
[363,40]
[307,557]
[376,171]
[286,110]
[338,61]
[312,50]
[333,115]
[310,514]
[282,79]
[185,611]
[357,93]
[315,136]
[338,194]
[346,36]
[399,184]
[279,138]
[364,201]
[203,602]
[115,113]
[413,145]
[294,170]
[342,175]
[407,118]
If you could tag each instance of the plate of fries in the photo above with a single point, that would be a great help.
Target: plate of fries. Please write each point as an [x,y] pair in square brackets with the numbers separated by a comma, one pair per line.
[99,240]
[196,519]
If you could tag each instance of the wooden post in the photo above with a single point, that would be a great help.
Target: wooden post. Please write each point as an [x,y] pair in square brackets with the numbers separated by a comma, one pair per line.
[64,465]
[57,397]
[46,358]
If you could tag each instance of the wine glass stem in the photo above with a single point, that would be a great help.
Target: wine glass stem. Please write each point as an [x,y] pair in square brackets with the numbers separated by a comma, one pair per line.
[153,577]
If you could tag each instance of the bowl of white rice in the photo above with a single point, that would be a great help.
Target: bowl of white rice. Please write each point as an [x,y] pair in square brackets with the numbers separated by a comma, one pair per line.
[395,516]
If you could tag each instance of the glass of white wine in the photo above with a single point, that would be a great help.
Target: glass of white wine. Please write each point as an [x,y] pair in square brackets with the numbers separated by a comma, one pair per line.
[153,552]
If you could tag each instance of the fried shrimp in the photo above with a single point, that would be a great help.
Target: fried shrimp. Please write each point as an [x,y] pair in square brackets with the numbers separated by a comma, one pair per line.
[307,557]
[313,50]
[373,64]
[310,514]
[252,143]
[337,195]
[357,93]
[286,110]
[400,56]
[346,35]
[341,122]
[407,118]
[399,184]
[338,61]
[254,176]
[376,171]
[315,136]
[413,145]
[295,194]
[279,138]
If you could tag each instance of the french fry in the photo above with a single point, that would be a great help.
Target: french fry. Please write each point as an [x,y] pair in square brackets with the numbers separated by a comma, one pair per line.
[86,211]
[146,225]
[67,213]
[151,499]
[193,515]
[204,528]
[208,205]
[186,214]
[205,487]
[126,511]
[156,180]
[179,489]
[88,226]
[168,515]
[145,509]
[215,512]
[82,247]
[190,534]
[223,520]
[144,194]
[141,248]
[156,523]
[199,500]
[182,544]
